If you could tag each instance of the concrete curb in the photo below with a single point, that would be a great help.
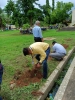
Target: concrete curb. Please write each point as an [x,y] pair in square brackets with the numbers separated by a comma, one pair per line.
[51,80]
[60,93]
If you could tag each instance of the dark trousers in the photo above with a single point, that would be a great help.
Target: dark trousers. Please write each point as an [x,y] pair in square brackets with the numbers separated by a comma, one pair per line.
[37,39]
[1,73]
[0,98]
[45,66]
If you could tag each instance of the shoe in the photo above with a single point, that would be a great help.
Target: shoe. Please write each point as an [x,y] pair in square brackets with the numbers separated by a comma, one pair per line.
[45,77]
[0,87]
[59,59]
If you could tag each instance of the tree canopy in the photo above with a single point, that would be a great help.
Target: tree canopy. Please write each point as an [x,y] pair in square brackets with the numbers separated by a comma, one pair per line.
[25,11]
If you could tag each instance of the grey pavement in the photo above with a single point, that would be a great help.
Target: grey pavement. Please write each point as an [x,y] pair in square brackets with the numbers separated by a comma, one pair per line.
[54,75]
[66,90]
[70,90]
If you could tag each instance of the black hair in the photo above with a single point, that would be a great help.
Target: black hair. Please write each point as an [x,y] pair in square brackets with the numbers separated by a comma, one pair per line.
[54,42]
[25,51]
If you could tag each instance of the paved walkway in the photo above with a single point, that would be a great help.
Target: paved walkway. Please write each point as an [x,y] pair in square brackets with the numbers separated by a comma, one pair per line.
[66,90]
[70,90]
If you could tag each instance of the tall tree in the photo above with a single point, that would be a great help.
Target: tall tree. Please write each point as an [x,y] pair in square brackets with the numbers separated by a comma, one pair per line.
[1,10]
[53,5]
[9,8]
[17,17]
[61,12]
[47,4]
[3,19]
[47,11]
[27,8]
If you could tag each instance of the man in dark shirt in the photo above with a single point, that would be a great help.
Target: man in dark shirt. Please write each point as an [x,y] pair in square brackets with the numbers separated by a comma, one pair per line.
[1,73]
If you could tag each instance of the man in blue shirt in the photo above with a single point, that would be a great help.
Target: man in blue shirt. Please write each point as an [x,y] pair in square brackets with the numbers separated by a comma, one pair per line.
[37,33]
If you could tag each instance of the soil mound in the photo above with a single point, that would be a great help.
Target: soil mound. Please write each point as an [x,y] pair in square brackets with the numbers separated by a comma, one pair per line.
[27,77]
[65,46]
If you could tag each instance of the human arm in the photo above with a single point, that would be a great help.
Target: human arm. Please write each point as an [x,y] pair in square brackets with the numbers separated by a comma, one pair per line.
[53,49]
[41,52]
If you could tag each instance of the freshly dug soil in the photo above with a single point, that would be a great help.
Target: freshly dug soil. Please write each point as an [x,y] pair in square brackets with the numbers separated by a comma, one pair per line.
[27,77]
[65,46]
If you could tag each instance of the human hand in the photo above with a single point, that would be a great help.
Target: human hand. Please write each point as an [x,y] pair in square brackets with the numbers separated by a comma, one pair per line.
[38,65]
[42,40]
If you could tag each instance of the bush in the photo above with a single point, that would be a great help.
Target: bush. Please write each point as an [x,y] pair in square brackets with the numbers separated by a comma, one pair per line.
[26,26]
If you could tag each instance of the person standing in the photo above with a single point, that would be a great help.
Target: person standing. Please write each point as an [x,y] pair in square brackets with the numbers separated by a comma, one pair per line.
[42,49]
[1,73]
[37,32]
[58,51]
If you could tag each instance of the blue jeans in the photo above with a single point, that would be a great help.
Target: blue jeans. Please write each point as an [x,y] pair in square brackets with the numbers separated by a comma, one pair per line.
[45,65]
[1,73]
[0,98]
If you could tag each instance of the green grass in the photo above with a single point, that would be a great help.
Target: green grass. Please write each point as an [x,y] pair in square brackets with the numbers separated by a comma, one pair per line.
[11,45]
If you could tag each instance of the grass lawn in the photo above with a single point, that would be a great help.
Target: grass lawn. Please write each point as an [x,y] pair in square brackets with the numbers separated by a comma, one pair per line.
[11,46]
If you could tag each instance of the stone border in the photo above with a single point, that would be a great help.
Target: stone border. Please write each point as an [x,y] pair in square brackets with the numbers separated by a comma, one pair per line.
[60,93]
[51,80]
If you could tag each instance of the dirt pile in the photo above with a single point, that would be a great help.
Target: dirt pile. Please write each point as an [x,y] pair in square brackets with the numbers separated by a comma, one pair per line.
[27,77]
[65,46]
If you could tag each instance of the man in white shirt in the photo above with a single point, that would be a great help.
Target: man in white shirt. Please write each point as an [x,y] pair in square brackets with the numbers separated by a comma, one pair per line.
[58,51]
